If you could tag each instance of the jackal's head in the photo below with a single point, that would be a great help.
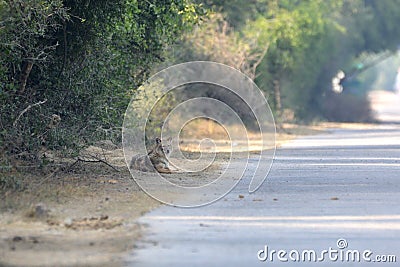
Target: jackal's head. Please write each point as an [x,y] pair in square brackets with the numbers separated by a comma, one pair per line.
[162,148]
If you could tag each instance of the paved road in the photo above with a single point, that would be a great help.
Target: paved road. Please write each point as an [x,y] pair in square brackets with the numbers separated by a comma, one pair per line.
[343,185]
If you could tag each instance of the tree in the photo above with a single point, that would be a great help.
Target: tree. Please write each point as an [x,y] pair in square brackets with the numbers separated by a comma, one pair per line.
[370,27]
[299,33]
[217,41]
[80,60]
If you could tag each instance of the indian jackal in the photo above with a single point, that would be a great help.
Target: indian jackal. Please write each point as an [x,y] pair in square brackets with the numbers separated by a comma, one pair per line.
[156,159]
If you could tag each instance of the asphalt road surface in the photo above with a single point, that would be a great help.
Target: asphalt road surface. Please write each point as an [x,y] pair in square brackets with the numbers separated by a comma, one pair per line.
[329,200]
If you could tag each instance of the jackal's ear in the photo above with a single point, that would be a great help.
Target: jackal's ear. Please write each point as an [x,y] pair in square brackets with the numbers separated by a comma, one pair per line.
[158,140]
[169,139]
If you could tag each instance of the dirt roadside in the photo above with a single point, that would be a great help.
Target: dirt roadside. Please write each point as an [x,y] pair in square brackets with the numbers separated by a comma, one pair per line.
[85,216]
[77,219]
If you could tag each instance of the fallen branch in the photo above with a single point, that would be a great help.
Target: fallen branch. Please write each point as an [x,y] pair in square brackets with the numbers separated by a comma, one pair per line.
[27,109]
[96,160]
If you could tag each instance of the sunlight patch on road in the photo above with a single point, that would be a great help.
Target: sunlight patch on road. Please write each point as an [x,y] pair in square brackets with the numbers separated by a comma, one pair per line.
[377,222]
[368,164]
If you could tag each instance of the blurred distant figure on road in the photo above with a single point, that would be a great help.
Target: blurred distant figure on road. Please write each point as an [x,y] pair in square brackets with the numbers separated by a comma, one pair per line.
[397,83]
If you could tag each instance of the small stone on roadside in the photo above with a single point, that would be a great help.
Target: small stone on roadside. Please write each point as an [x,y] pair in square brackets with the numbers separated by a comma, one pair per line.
[17,238]
[41,210]
[68,222]
[34,239]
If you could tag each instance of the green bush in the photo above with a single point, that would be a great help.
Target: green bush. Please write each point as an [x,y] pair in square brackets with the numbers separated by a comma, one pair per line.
[69,68]
[347,108]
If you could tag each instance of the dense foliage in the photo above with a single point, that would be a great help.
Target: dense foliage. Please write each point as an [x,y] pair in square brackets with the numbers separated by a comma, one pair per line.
[69,68]
[307,42]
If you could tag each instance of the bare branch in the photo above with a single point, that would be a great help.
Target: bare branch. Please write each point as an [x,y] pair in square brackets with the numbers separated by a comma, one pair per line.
[97,160]
[27,109]
[260,58]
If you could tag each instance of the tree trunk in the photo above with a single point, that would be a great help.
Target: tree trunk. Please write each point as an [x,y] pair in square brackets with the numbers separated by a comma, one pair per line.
[278,106]
[277,95]
[26,70]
